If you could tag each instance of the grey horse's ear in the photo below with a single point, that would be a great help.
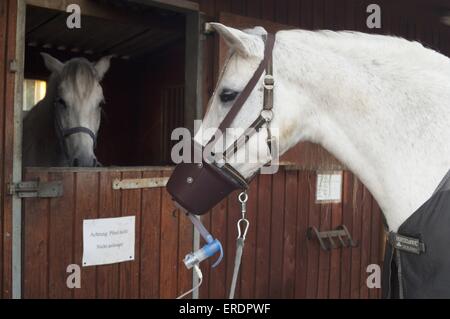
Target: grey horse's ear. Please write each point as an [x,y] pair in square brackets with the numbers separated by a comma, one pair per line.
[102,66]
[244,43]
[52,64]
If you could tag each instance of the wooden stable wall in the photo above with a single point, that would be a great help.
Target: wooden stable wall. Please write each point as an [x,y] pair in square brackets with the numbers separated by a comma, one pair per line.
[8,12]
[52,237]
[279,262]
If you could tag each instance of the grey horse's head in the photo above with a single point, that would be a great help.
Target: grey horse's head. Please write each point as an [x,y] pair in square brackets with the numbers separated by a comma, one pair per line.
[77,100]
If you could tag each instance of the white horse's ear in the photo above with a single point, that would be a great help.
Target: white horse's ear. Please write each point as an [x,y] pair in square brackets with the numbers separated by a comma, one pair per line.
[102,66]
[245,44]
[52,64]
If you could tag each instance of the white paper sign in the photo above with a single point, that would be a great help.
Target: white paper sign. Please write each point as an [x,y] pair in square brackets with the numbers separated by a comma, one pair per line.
[108,240]
[329,187]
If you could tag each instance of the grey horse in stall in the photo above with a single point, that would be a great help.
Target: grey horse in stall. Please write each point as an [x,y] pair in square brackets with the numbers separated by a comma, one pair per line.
[61,130]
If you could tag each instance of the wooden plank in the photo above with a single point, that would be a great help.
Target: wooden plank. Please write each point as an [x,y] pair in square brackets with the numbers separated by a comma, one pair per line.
[301,257]
[289,233]
[150,240]
[318,14]
[129,271]
[276,235]
[8,147]
[324,256]
[329,15]
[355,231]
[365,241]
[169,239]
[306,14]
[335,254]
[171,4]
[375,255]
[237,7]
[263,228]
[350,16]
[3,63]
[340,15]
[247,277]
[185,240]
[281,12]
[109,206]
[347,220]
[60,253]
[206,267]
[268,10]
[208,7]
[293,16]
[101,10]
[313,245]
[217,276]
[253,9]
[35,243]
[86,194]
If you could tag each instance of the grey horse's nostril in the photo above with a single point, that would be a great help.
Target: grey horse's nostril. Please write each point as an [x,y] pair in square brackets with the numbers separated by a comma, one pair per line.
[75,162]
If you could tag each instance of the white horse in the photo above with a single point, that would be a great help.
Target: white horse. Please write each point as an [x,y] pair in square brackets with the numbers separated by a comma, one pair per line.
[61,130]
[379,104]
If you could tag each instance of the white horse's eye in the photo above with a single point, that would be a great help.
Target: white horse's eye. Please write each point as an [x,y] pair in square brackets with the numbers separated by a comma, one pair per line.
[228,95]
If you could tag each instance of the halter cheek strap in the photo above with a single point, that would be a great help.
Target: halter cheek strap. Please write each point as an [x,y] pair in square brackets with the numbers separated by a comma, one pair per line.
[266,114]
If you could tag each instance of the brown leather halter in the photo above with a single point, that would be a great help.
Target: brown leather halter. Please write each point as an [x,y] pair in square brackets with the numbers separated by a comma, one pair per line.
[198,187]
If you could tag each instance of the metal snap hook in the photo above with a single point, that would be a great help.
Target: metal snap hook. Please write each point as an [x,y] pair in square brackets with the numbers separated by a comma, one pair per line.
[247,224]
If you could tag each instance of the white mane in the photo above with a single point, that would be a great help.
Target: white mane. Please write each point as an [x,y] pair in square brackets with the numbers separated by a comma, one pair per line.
[380,104]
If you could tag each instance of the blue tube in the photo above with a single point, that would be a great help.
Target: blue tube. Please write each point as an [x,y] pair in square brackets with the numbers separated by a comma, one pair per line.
[210,249]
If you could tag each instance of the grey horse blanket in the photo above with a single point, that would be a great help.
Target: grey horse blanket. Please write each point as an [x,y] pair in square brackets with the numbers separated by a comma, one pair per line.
[417,258]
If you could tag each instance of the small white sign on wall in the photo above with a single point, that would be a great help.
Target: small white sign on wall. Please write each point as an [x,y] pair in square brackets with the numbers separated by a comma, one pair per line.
[329,187]
[108,240]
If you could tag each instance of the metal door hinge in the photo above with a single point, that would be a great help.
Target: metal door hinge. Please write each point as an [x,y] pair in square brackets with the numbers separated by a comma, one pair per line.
[36,189]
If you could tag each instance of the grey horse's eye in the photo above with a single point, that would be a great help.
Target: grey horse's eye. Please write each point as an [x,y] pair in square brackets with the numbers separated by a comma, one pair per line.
[228,95]
[61,103]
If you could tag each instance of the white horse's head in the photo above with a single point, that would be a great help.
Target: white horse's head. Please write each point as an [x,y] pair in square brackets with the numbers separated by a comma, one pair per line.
[77,100]
[247,51]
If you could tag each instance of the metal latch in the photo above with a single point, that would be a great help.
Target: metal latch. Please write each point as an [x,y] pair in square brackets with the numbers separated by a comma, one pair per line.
[36,189]
[139,183]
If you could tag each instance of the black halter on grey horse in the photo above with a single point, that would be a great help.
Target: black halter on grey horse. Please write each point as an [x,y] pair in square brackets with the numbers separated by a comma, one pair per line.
[61,130]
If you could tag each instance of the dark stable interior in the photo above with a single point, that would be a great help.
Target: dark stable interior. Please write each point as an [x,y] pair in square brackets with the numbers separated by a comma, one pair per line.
[144,87]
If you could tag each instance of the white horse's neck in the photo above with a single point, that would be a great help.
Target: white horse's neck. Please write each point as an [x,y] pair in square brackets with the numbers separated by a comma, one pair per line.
[379,104]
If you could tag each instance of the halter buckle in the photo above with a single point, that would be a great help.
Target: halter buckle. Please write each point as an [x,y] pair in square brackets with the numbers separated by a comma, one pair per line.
[269,82]
[267,115]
